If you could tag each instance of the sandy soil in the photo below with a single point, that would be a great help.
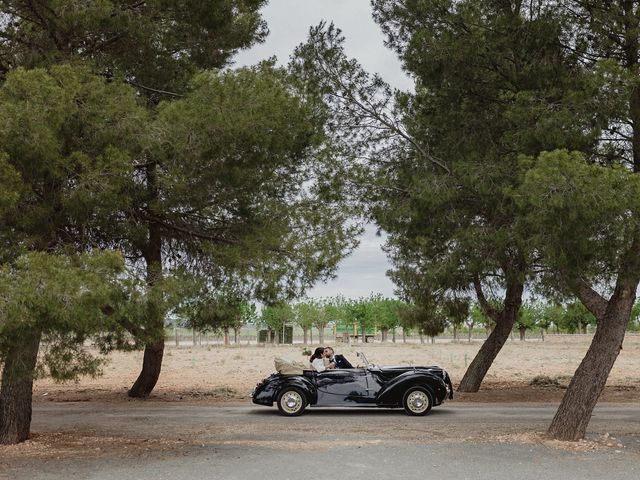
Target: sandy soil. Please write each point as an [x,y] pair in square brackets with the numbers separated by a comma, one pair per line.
[218,373]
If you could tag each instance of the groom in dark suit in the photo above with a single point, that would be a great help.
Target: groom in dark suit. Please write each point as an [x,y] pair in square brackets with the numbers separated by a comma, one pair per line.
[336,361]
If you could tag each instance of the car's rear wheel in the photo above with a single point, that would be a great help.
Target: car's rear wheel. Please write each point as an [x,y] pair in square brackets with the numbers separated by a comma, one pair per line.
[417,401]
[291,402]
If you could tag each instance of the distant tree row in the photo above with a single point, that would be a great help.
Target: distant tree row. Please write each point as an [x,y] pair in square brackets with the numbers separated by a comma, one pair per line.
[222,315]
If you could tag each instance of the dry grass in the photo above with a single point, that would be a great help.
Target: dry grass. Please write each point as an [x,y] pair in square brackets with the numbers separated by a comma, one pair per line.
[217,373]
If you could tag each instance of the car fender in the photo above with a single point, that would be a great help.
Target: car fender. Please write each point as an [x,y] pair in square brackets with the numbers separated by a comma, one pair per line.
[393,392]
[303,383]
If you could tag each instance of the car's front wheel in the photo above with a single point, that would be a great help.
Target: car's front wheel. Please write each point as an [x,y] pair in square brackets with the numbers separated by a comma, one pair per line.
[291,402]
[417,401]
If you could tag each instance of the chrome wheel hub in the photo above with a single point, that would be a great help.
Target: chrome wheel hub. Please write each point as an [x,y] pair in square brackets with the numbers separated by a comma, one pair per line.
[291,402]
[418,401]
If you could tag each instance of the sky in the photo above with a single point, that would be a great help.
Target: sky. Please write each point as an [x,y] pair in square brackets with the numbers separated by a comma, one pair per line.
[364,271]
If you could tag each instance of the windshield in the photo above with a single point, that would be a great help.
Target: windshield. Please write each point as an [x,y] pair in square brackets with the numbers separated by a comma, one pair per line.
[364,359]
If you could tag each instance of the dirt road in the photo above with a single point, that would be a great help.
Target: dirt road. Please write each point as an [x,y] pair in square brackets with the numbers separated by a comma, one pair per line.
[139,440]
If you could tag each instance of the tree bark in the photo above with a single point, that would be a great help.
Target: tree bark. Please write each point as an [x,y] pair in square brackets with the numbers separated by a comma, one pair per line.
[470,331]
[321,334]
[226,337]
[393,335]
[17,388]
[523,332]
[505,320]
[384,332]
[153,352]
[236,336]
[305,335]
[480,365]
[151,365]
[571,420]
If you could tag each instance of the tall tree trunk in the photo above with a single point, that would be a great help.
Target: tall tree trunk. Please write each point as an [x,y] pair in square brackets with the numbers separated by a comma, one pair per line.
[574,413]
[321,334]
[17,388]
[384,333]
[226,337]
[404,335]
[236,336]
[483,360]
[455,333]
[153,352]
[421,337]
[523,332]
[194,337]
[393,335]
[505,320]
[305,336]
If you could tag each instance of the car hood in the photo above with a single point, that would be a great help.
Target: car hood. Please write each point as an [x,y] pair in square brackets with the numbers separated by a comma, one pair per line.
[392,371]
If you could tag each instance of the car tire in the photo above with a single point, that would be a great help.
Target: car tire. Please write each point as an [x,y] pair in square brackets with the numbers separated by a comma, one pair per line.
[417,401]
[291,402]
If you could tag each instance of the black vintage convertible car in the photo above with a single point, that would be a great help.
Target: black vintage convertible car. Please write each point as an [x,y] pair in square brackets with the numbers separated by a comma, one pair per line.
[416,389]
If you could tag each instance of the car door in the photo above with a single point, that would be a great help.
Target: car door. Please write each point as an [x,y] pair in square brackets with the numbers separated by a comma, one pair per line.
[342,386]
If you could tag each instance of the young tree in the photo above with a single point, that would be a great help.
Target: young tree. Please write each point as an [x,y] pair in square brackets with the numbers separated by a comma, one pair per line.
[276,317]
[575,318]
[361,314]
[456,311]
[634,321]
[384,314]
[248,315]
[476,317]
[527,319]
[307,314]
[550,316]
[427,319]
[218,312]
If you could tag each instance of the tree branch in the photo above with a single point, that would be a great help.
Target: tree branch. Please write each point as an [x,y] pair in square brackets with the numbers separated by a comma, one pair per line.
[484,303]
[591,299]
[154,90]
